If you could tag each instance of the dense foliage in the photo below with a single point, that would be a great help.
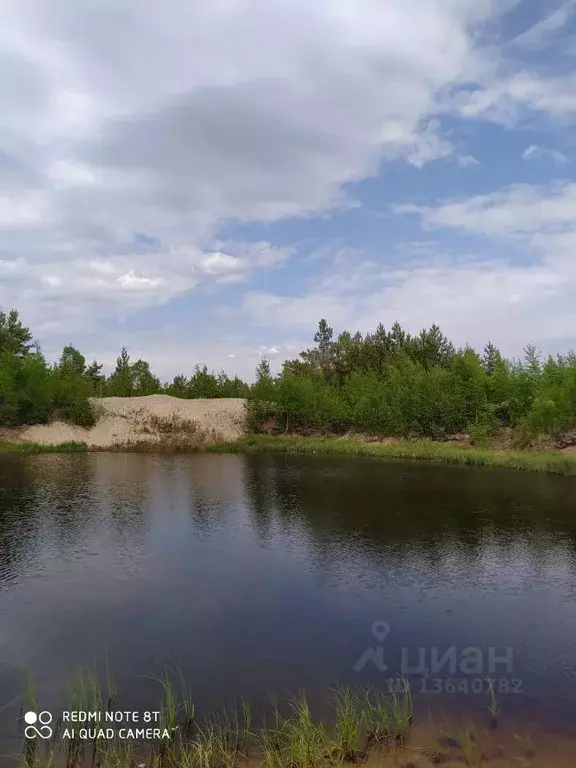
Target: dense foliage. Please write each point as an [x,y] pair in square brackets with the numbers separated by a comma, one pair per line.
[33,391]
[393,383]
[382,383]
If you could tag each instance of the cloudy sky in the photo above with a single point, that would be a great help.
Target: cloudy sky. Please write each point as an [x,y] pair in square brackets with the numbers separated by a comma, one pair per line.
[202,181]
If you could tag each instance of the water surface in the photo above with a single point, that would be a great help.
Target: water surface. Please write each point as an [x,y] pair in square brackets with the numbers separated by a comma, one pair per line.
[260,575]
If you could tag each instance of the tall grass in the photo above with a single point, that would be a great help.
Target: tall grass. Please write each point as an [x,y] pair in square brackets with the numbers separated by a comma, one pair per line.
[306,741]
[368,725]
[536,461]
[348,724]
[8,447]
[388,718]
[294,739]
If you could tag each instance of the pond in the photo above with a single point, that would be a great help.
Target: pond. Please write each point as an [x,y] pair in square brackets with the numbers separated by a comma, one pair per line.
[263,575]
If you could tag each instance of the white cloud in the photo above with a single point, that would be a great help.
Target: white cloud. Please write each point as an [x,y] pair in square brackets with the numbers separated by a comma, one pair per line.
[492,297]
[543,33]
[125,118]
[518,210]
[65,292]
[473,303]
[131,281]
[530,151]
[534,151]
[115,125]
[293,312]
[506,99]
[466,160]
[22,211]
[172,350]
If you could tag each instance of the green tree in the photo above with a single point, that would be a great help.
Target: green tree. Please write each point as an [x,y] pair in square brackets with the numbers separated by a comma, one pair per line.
[120,383]
[72,361]
[143,382]
[15,338]
[202,383]
[178,386]
[491,358]
[320,358]
[431,347]
[96,377]
[263,388]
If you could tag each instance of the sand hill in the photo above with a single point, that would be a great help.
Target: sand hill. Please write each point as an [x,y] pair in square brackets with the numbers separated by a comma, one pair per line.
[125,421]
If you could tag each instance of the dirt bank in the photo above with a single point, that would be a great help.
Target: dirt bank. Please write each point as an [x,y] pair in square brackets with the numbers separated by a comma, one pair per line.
[155,419]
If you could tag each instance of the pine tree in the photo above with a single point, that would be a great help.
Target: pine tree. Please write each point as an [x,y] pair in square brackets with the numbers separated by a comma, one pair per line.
[15,338]
[120,383]
[263,388]
[491,358]
[97,379]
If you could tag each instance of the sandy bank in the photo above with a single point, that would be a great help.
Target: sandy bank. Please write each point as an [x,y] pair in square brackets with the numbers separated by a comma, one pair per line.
[125,421]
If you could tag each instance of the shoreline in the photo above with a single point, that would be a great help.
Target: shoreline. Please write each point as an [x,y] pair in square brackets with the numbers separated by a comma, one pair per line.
[7,446]
[548,462]
[367,726]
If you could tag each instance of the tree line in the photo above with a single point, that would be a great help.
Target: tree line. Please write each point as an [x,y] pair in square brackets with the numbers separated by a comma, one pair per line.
[388,382]
[34,391]
[393,383]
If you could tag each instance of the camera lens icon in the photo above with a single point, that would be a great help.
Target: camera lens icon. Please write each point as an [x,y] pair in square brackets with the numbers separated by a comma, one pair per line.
[43,731]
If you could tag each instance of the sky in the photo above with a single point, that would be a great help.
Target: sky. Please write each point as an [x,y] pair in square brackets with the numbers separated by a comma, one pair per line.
[203,181]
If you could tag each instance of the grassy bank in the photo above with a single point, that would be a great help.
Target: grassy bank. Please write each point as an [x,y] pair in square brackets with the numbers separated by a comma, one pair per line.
[286,737]
[535,461]
[7,447]
[370,727]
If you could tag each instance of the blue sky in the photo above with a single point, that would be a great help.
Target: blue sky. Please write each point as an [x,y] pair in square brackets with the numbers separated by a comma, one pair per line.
[203,182]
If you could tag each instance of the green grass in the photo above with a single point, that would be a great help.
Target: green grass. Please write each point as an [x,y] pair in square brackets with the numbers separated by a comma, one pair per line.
[534,461]
[296,740]
[369,726]
[7,447]
[348,723]
[226,738]
[388,718]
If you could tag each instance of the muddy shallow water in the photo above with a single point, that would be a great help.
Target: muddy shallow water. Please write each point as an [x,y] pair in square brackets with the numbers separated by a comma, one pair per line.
[259,575]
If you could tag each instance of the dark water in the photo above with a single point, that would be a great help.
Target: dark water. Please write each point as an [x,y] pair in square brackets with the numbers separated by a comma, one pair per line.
[261,575]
